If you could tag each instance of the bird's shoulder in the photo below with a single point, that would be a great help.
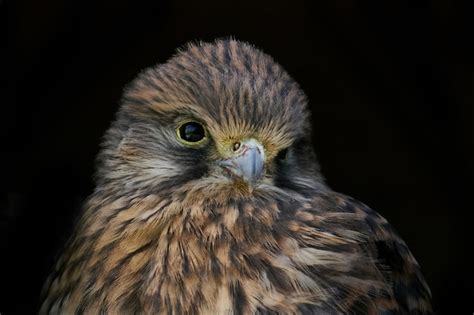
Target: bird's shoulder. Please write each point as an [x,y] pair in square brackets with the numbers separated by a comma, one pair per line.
[362,230]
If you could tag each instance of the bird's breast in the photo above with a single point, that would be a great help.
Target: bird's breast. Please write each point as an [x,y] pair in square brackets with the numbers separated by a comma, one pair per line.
[158,256]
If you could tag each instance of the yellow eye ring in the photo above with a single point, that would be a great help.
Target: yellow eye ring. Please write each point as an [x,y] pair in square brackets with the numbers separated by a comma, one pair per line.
[191,132]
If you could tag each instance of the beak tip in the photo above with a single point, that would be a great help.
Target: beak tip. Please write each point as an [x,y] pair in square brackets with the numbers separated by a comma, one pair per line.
[249,166]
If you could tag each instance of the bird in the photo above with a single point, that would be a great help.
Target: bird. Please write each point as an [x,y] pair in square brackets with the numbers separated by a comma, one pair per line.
[209,199]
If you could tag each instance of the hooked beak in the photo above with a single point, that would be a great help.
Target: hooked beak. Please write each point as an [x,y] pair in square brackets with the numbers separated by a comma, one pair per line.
[248,162]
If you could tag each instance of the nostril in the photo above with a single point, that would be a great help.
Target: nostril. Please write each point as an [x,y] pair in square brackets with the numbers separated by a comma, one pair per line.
[236,146]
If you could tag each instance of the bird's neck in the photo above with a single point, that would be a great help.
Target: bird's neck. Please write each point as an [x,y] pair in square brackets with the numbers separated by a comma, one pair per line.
[170,248]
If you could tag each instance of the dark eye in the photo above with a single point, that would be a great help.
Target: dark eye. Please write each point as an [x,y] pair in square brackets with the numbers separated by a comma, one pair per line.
[191,132]
[281,156]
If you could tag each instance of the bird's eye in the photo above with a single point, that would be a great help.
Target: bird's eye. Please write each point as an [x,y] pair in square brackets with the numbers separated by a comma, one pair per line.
[191,133]
[282,155]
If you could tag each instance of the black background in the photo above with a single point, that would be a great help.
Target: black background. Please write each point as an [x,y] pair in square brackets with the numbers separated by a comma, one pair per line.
[390,86]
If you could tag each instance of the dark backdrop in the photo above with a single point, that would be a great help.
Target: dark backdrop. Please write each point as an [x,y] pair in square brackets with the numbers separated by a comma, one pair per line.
[390,86]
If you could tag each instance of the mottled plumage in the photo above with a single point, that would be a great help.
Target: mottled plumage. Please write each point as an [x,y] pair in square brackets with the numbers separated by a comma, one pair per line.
[240,223]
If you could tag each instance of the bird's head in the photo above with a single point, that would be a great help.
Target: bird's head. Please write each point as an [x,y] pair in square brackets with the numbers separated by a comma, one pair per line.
[221,115]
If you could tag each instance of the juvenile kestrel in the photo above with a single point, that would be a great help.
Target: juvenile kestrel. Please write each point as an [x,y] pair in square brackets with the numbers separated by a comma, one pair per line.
[209,200]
